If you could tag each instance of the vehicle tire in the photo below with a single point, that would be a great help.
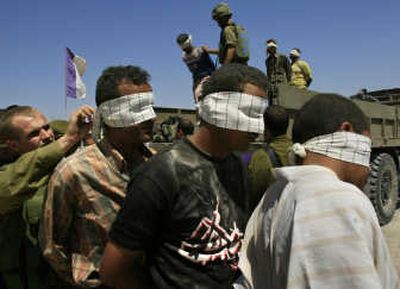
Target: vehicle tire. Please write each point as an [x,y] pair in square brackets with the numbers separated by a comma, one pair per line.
[383,187]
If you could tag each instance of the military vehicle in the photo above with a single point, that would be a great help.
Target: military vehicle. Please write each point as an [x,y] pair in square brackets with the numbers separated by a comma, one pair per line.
[383,111]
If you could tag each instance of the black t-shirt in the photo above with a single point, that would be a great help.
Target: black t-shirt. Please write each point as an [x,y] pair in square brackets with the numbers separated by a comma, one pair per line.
[185,209]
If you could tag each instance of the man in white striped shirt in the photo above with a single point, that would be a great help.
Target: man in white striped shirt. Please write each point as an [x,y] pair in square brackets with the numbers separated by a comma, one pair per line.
[314,227]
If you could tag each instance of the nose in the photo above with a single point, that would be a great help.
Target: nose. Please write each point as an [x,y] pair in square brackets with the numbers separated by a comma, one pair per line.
[46,135]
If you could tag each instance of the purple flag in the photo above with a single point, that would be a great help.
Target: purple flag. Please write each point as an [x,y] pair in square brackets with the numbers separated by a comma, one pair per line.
[75,66]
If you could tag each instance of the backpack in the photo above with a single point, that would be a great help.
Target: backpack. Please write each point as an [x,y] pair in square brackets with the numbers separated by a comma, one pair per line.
[242,49]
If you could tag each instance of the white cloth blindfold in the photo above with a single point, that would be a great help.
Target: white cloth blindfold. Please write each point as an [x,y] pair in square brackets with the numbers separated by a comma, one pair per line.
[294,52]
[345,146]
[187,42]
[233,110]
[124,111]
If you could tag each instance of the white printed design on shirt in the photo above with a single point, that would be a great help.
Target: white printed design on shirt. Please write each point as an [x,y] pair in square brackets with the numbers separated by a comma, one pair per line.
[210,242]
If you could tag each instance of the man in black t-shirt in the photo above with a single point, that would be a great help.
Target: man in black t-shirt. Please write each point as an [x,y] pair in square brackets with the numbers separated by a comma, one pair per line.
[185,211]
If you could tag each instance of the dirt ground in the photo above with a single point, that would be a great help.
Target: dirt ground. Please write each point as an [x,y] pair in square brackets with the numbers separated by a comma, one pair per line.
[392,235]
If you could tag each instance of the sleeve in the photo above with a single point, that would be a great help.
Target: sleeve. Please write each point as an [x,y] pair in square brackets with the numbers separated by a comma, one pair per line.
[55,228]
[306,69]
[139,221]
[230,35]
[260,175]
[21,179]
[288,69]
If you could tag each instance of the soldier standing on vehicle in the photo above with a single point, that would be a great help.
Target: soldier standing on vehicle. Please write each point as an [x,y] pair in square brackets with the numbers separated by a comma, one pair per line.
[196,59]
[233,42]
[278,69]
[301,71]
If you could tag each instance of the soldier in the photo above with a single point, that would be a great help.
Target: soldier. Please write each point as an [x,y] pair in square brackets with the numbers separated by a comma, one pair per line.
[32,155]
[301,71]
[273,154]
[233,42]
[278,69]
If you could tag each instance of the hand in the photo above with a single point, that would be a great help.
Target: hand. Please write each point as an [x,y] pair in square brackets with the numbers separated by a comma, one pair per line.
[79,126]
[80,122]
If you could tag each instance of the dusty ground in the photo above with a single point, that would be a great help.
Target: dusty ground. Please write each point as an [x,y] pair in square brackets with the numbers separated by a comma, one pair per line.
[392,235]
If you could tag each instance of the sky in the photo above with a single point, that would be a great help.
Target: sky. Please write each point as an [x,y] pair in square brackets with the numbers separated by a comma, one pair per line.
[350,45]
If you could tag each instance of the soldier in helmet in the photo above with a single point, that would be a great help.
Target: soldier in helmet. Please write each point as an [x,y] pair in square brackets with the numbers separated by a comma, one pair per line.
[233,43]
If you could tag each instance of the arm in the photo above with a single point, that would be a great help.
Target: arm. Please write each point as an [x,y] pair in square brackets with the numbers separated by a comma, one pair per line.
[307,72]
[230,53]
[288,69]
[56,223]
[231,43]
[124,269]
[136,231]
[210,50]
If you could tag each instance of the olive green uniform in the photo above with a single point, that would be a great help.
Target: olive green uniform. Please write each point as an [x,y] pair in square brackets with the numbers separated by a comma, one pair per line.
[229,37]
[260,167]
[22,188]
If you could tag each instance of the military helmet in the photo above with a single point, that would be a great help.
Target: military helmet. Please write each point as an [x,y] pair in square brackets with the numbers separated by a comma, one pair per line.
[221,10]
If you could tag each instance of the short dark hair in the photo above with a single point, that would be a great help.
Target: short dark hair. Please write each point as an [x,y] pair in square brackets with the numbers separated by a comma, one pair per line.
[7,130]
[185,125]
[182,38]
[276,120]
[324,113]
[233,77]
[107,84]
[272,40]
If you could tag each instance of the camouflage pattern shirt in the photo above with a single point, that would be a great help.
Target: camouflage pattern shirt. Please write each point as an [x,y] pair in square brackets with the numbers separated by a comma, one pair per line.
[84,195]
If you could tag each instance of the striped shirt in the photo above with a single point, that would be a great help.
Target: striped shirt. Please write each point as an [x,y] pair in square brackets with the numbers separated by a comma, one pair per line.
[312,230]
[84,195]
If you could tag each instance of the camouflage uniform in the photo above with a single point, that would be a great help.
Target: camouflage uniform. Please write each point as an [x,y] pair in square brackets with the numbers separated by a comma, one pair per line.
[278,72]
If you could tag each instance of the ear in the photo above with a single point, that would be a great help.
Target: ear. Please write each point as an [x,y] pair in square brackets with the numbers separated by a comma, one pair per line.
[346,126]
[12,145]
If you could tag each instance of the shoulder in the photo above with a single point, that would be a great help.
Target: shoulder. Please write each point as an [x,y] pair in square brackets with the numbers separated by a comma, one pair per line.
[166,163]
[259,159]
[259,154]
[78,162]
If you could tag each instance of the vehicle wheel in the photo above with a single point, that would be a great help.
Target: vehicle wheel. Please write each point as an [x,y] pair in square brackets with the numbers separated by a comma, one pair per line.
[383,187]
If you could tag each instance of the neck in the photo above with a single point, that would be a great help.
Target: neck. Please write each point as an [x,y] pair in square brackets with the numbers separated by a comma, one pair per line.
[210,140]
[335,165]
[132,154]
